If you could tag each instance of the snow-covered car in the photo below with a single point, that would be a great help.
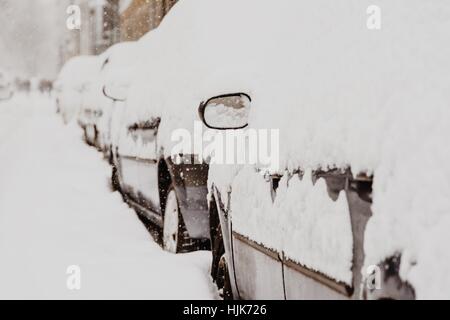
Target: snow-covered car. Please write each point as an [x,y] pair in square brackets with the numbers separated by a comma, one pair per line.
[353,200]
[114,79]
[71,83]
[299,234]
[171,195]
[91,110]
[94,104]
[6,90]
[88,118]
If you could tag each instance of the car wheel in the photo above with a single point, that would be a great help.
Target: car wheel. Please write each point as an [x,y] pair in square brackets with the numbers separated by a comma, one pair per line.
[219,265]
[175,236]
[223,279]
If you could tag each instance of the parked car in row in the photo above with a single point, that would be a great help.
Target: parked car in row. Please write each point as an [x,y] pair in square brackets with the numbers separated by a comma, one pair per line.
[172,195]
[71,84]
[169,194]
[261,250]
[96,111]
[346,207]
[116,75]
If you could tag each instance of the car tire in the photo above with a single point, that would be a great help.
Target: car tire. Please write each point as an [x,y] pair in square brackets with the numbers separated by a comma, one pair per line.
[219,266]
[175,236]
[223,280]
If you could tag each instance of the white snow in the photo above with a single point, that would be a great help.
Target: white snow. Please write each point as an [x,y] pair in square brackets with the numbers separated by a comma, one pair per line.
[303,222]
[342,96]
[57,210]
[377,101]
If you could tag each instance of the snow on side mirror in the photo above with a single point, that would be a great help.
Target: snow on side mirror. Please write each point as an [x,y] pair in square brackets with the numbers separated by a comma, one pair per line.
[226,112]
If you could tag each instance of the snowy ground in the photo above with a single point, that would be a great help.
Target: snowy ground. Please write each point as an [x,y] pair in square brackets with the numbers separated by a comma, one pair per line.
[57,210]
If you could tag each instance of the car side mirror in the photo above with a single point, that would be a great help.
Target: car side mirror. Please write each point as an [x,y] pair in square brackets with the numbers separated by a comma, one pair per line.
[115,93]
[226,112]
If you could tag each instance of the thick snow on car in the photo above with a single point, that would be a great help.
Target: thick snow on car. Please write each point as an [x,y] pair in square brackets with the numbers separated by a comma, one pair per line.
[91,103]
[96,112]
[116,76]
[71,84]
[172,195]
[353,200]
[356,203]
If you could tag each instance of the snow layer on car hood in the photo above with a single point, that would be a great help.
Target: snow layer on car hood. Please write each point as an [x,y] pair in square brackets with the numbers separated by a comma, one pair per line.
[341,95]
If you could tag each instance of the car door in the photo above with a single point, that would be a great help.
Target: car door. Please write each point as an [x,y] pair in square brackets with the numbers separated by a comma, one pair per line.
[147,165]
[318,241]
[255,238]
[128,164]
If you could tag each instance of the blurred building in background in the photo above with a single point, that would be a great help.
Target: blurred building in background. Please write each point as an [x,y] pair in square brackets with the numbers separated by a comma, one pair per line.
[106,22]
[100,27]
[141,16]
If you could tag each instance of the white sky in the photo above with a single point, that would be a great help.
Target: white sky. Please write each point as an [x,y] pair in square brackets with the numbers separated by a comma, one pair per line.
[30,33]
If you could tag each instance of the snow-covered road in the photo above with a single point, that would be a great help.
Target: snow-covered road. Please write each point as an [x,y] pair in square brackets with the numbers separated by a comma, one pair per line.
[57,210]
